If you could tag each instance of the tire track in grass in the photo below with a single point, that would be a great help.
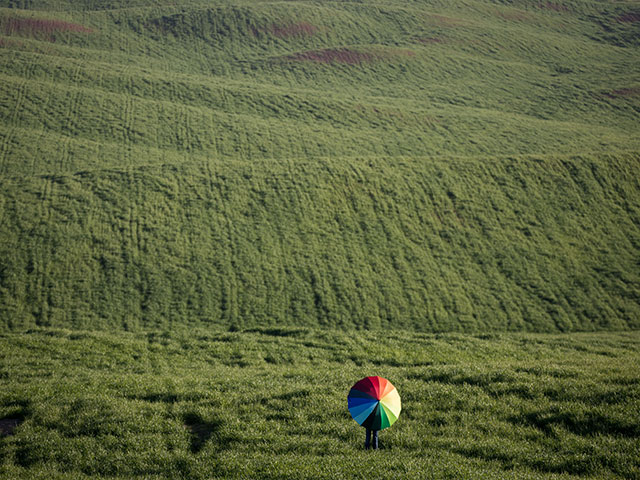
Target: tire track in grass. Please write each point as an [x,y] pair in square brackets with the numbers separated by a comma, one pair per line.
[129,226]
[201,57]
[224,228]
[4,149]
[13,120]
[134,231]
[3,211]
[134,187]
[41,141]
[127,116]
[128,129]
[130,234]
[42,132]
[46,194]
[71,116]
[20,95]
[42,319]
[231,290]
[65,154]
[187,130]
[127,119]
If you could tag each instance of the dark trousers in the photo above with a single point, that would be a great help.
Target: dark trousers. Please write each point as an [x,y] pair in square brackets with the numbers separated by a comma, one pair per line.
[367,442]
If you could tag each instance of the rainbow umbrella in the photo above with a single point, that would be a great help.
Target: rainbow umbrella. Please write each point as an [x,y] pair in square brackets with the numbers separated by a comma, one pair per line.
[374,403]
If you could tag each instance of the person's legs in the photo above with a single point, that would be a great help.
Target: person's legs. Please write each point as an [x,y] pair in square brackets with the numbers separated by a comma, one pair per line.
[367,440]
[375,439]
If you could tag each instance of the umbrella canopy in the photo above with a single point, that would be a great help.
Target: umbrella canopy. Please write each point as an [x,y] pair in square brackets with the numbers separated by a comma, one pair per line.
[374,403]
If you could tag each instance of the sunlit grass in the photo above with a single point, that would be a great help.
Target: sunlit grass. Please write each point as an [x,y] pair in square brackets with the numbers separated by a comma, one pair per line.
[271,403]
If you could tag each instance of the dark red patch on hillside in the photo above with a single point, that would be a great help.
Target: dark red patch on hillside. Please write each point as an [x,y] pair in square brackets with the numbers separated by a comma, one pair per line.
[340,55]
[625,92]
[40,27]
[556,7]
[293,30]
[629,18]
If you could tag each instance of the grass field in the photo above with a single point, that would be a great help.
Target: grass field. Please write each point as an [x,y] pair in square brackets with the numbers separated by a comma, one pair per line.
[217,216]
[433,166]
[271,403]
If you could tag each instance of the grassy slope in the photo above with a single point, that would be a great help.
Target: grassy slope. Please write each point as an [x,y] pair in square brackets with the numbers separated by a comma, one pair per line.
[271,403]
[475,169]
[455,166]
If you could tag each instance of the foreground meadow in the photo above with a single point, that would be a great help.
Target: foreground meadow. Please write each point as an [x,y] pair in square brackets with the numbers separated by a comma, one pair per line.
[271,403]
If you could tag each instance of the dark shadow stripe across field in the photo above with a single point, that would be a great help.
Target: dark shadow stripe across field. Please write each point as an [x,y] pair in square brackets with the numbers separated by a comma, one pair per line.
[170,398]
[584,423]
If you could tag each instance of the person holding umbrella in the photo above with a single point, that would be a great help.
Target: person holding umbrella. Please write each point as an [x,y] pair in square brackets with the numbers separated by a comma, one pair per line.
[374,403]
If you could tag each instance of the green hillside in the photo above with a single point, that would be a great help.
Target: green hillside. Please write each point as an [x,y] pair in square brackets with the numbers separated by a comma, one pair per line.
[426,165]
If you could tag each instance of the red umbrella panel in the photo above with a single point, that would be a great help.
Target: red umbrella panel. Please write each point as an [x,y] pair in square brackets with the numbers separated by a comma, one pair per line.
[374,403]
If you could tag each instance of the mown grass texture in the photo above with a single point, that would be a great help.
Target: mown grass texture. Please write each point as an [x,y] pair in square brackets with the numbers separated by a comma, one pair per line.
[427,165]
[271,403]
[473,248]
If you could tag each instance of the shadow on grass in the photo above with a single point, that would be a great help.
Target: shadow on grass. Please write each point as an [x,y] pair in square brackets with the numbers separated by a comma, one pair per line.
[168,397]
[202,431]
[294,395]
[579,423]
[509,460]
[9,424]
[295,332]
